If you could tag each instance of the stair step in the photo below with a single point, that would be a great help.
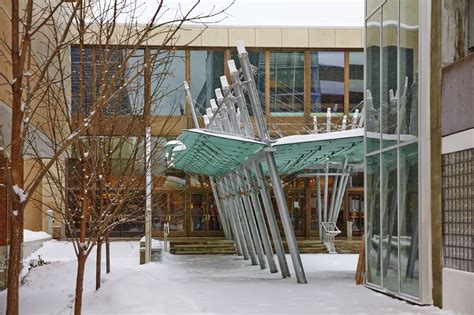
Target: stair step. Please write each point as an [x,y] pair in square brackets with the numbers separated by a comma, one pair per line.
[201,252]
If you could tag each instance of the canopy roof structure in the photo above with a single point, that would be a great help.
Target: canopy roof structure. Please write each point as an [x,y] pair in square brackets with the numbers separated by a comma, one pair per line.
[216,154]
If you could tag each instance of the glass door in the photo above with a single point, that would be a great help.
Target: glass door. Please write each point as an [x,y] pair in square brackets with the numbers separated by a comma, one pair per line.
[168,208]
[204,216]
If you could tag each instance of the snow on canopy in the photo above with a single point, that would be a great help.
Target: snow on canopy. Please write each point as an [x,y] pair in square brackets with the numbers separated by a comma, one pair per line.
[282,13]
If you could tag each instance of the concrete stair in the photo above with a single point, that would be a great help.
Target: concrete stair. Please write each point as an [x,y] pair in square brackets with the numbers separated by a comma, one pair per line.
[308,247]
[202,247]
[348,246]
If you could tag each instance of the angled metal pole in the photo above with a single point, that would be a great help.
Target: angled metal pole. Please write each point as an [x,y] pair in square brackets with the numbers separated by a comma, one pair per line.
[260,221]
[326,184]
[251,219]
[277,186]
[240,99]
[237,202]
[234,220]
[333,195]
[319,206]
[191,104]
[220,210]
[340,191]
[272,222]
[229,103]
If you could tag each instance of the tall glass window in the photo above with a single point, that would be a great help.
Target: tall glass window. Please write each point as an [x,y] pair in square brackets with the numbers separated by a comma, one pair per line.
[207,66]
[356,80]
[287,83]
[166,82]
[327,81]
[392,184]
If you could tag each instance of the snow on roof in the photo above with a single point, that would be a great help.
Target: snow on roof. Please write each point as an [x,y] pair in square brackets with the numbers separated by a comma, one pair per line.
[359,132]
[259,13]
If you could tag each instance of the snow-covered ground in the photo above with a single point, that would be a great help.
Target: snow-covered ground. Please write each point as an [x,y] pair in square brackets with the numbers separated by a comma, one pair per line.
[200,284]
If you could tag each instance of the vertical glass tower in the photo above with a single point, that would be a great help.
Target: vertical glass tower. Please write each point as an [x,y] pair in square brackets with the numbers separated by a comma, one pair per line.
[392,147]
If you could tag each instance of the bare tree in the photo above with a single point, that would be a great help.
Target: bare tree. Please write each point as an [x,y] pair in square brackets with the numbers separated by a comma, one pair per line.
[43,127]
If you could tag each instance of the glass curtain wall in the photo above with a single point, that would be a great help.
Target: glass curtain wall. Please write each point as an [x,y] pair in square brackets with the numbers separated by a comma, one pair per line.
[392,225]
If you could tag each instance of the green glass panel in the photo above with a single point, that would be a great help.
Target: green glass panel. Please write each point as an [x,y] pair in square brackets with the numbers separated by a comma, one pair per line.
[409,232]
[373,219]
[372,97]
[389,220]
[408,72]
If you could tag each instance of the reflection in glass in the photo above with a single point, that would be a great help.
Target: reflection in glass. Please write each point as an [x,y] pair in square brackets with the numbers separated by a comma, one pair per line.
[372,97]
[176,211]
[160,210]
[166,82]
[389,220]
[408,72]
[389,73]
[373,219]
[287,82]
[327,81]
[198,211]
[356,79]
[409,259]
[207,66]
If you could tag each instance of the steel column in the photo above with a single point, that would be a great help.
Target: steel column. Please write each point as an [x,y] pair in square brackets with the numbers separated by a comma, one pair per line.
[318,202]
[285,219]
[251,219]
[260,221]
[235,222]
[243,220]
[221,212]
[272,222]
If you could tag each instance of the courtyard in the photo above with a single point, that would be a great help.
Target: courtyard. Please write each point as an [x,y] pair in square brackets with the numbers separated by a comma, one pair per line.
[201,285]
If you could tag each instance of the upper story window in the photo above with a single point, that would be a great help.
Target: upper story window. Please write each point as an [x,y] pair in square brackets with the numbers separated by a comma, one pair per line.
[166,82]
[327,81]
[207,66]
[287,83]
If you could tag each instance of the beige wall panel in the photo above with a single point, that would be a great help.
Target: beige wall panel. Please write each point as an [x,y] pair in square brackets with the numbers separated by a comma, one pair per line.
[349,38]
[268,37]
[294,37]
[33,219]
[322,38]
[245,34]
[213,36]
[189,36]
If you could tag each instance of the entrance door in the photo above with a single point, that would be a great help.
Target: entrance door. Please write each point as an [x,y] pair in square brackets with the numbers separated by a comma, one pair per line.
[204,215]
[169,208]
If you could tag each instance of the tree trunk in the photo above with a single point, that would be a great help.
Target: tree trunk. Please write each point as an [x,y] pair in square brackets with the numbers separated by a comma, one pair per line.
[16,211]
[81,264]
[14,259]
[107,253]
[98,265]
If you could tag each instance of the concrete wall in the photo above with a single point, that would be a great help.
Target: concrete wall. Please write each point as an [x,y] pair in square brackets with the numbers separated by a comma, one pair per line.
[458,288]
[454,29]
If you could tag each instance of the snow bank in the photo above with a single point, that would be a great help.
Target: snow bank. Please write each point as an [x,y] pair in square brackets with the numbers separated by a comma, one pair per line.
[29,236]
